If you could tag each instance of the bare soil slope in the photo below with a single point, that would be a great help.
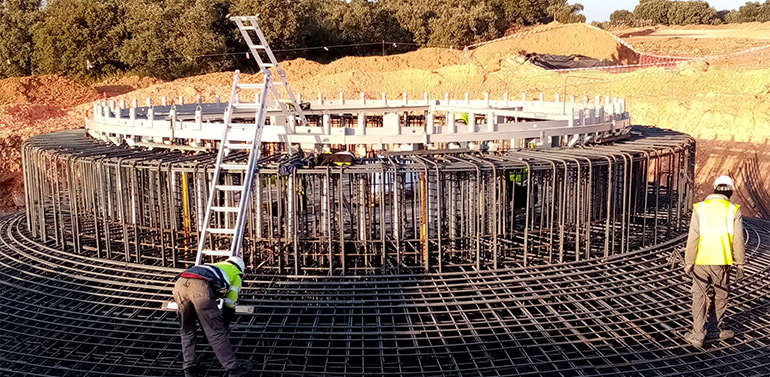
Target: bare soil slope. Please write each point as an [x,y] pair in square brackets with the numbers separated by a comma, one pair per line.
[560,40]
[700,40]
[49,90]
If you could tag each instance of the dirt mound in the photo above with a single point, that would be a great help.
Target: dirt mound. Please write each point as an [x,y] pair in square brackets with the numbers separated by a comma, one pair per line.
[21,116]
[26,120]
[696,40]
[301,68]
[578,39]
[17,123]
[114,86]
[425,59]
[207,86]
[50,90]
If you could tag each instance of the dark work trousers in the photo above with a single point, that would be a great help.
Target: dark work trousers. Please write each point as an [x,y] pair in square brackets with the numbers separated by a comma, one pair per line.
[710,287]
[196,302]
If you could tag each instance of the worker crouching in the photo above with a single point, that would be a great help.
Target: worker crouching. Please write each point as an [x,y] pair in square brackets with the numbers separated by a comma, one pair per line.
[714,244]
[195,294]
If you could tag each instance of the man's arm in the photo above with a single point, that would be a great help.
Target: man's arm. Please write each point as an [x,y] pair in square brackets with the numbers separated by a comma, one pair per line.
[230,299]
[739,250]
[692,239]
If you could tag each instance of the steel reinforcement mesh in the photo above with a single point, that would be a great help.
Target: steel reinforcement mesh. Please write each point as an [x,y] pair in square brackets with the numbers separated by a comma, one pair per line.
[423,211]
[65,314]
[556,262]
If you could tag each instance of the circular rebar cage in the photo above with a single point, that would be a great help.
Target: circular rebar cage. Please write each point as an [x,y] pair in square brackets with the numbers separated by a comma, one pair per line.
[411,211]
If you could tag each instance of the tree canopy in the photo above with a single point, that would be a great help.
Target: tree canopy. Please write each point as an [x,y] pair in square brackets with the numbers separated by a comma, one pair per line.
[654,11]
[621,17]
[72,33]
[670,12]
[750,12]
[168,37]
[173,38]
[16,44]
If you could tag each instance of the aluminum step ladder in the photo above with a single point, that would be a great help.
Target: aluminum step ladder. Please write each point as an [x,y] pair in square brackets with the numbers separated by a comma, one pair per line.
[228,203]
[265,58]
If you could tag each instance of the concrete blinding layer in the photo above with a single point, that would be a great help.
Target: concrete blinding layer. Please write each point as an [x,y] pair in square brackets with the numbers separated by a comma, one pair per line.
[396,213]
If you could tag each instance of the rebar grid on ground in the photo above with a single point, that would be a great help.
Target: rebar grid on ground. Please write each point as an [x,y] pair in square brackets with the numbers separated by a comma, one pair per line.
[432,212]
[67,314]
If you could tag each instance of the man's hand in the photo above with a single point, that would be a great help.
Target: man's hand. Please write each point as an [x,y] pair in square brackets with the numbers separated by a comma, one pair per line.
[228,314]
[739,273]
[688,269]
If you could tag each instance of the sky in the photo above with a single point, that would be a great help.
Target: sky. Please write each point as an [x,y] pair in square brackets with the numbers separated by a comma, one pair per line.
[599,10]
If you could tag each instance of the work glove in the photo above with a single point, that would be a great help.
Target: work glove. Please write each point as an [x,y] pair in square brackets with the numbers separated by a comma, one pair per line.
[688,269]
[739,274]
[228,314]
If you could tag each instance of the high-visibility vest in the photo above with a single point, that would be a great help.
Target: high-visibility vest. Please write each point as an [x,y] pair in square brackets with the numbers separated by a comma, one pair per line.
[715,244]
[224,278]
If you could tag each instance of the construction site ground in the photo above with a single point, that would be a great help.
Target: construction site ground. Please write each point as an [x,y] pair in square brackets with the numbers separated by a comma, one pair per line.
[722,102]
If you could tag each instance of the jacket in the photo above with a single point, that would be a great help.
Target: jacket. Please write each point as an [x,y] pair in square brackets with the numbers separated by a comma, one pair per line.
[693,239]
[224,278]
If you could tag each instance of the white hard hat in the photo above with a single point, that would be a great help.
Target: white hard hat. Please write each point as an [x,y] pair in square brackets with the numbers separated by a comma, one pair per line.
[725,182]
[238,261]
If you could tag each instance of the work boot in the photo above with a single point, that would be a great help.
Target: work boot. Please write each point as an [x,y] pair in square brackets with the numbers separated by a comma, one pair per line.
[726,334]
[242,367]
[694,339]
[193,371]
[721,335]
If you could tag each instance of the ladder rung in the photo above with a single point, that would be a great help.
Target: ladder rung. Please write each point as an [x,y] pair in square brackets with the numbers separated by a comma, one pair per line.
[251,86]
[216,253]
[229,188]
[246,106]
[244,27]
[233,166]
[238,146]
[225,209]
[221,230]
[268,65]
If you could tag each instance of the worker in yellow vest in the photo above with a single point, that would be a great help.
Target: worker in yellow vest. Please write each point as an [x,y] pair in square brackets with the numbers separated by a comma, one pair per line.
[714,245]
[195,293]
